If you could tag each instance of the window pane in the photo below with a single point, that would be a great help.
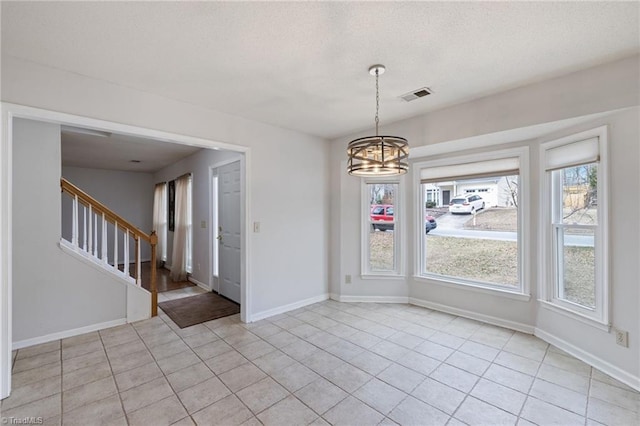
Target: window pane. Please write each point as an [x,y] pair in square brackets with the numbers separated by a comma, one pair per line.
[382,198]
[484,260]
[580,194]
[578,266]
[475,236]
[381,248]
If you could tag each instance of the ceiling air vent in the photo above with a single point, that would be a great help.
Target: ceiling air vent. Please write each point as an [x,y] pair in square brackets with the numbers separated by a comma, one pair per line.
[415,94]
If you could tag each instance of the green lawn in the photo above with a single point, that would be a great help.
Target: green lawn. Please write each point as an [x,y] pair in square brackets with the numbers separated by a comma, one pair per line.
[491,261]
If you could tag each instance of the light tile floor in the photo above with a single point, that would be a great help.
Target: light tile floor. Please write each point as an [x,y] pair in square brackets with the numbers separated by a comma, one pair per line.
[180,293]
[328,363]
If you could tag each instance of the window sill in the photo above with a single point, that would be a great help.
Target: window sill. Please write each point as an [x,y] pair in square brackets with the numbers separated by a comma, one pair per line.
[604,326]
[478,288]
[382,277]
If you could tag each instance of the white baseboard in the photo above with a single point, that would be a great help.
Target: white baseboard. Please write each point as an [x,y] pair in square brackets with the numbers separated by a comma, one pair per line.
[596,362]
[68,333]
[199,283]
[370,299]
[513,325]
[285,308]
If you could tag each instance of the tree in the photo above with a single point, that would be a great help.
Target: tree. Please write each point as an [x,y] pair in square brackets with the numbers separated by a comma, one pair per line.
[593,177]
[512,185]
[580,190]
[382,193]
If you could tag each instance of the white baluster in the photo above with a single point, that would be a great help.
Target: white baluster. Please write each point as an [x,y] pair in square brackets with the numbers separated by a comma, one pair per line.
[90,229]
[84,227]
[115,244]
[95,235]
[105,256]
[74,223]
[138,262]
[126,253]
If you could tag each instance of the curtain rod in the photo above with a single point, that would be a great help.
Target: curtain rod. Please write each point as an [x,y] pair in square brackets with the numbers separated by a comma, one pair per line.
[186,174]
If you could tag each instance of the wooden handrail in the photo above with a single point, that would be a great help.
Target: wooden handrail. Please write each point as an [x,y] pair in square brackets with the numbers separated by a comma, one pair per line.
[96,207]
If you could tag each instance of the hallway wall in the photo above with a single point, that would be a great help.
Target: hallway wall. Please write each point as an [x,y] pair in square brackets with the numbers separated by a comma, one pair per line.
[52,291]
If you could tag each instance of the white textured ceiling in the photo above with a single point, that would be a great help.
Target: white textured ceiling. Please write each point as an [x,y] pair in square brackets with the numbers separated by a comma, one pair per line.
[304,65]
[115,152]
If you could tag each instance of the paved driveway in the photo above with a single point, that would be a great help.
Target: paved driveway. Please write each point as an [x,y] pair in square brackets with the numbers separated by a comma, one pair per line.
[453,221]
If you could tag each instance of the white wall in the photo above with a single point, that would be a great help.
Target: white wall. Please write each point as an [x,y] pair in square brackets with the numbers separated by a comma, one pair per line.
[129,194]
[288,172]
[198,164]
[52,291]
[525,116]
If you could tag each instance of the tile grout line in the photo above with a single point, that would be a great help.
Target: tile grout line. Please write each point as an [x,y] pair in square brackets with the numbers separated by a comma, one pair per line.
[528,394]
[467,339]
[441,362]
[348,361]
[299,362]
[161,370]
[113,376]
[586,406]
[408,394]
[535,377]
[255,414]
[427,376]
[204,362]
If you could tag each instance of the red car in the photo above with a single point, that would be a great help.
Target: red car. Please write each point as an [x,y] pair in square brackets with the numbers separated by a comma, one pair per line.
[381,215]
[382,218]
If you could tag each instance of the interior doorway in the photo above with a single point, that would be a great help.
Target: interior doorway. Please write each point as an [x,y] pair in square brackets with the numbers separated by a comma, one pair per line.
[9,112]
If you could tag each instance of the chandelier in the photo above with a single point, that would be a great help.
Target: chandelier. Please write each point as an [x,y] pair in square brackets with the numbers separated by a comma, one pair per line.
[378,155]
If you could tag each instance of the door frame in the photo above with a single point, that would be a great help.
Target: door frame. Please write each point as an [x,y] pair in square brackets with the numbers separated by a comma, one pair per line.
[213,171]
[10,111]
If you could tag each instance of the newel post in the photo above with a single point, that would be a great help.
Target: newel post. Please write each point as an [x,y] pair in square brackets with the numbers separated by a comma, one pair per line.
[153,240]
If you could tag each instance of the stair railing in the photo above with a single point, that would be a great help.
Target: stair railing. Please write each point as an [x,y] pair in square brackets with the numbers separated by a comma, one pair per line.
[87,214]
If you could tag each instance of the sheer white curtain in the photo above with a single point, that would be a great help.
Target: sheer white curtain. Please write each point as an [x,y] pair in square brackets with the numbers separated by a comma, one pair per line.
[160,221]
[181,254]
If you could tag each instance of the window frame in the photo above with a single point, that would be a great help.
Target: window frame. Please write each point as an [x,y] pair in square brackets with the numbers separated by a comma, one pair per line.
[398,229]
[600,316]
[522,292]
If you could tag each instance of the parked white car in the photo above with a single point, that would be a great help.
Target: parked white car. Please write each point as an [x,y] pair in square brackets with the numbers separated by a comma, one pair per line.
[468,203]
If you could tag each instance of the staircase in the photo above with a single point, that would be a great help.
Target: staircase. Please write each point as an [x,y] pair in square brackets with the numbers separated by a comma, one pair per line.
[92,225]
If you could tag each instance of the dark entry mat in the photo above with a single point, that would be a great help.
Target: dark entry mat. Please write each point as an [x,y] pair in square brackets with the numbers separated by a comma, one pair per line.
[193,310]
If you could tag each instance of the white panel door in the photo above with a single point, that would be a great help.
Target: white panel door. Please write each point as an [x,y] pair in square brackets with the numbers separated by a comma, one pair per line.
[229,237]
